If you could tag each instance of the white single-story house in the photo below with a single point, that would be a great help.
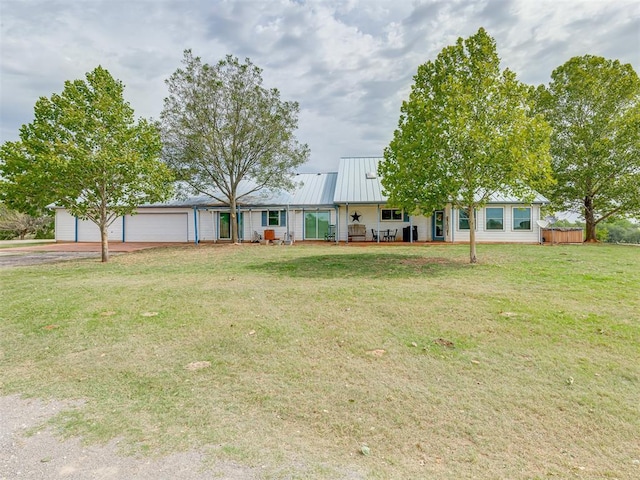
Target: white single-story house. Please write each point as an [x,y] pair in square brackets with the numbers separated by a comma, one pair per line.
[347,205]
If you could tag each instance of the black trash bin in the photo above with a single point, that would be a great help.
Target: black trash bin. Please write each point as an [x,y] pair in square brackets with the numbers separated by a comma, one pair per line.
[406,235]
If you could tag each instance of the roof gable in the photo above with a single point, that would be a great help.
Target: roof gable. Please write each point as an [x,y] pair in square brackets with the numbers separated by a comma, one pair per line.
[358,181]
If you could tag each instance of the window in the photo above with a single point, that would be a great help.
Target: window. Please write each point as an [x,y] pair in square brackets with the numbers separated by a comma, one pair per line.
[463,219]
[522,218]
[391,214]
[494,218]
[274,218]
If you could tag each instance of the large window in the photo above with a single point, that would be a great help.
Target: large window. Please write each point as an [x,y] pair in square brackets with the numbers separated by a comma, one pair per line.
[522,218]
[394,214]
[494,218]
[463,219]
[316,225]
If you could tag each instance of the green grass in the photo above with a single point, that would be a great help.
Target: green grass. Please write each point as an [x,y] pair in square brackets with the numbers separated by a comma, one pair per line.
[524,366]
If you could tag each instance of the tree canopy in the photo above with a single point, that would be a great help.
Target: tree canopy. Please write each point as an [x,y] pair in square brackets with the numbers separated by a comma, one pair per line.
[466,132]
[593,105]
[220,127]
[85,152]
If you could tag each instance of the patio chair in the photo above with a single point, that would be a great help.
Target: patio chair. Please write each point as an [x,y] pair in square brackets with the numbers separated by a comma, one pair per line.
[330,236]
[391,237]
[374,234]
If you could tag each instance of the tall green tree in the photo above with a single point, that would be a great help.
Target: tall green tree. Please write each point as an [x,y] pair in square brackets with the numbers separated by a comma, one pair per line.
[593,105]
[221,127]
[466,132]
[85,152]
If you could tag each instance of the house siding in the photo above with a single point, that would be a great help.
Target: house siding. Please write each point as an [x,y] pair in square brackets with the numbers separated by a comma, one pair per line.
[68,230]
[354,188]
[370,217]
[500,236]
[65,224]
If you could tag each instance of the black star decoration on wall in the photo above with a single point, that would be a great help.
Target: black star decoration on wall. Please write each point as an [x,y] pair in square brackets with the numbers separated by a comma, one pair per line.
[355,216]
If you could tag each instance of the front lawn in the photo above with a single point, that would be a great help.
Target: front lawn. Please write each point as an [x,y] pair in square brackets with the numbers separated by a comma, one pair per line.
[321,362]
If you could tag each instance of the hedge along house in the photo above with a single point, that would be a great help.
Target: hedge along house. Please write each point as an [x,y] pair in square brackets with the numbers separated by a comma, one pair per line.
[347,201]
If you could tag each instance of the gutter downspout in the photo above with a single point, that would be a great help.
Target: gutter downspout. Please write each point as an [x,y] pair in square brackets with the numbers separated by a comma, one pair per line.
[216,225]
[410,228]
[378,223]
[288,222]
[337,223]
[195,225]
[76,232]
[123,231]
[346,219]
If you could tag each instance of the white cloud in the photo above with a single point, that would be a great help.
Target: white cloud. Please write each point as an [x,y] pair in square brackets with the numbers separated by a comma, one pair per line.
[348,63]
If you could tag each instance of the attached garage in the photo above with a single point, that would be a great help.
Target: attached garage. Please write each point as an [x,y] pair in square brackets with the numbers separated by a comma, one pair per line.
[157,227]
[89,231]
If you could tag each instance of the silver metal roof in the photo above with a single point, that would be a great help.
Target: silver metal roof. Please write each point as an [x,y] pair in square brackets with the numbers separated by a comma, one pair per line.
[505,198]
[358,181]
[314,189]
[355,182]
[259,198]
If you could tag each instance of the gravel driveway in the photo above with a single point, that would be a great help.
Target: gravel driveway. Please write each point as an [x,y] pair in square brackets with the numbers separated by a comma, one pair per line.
[21,259]
[24,255]
[30,451]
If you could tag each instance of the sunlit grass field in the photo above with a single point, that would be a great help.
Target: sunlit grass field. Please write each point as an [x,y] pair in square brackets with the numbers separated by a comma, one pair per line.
[325,361]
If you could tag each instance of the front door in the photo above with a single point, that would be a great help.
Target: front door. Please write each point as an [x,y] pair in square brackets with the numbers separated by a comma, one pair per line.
[438,226]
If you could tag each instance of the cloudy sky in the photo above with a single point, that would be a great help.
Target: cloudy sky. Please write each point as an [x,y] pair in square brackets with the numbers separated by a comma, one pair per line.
[349,63]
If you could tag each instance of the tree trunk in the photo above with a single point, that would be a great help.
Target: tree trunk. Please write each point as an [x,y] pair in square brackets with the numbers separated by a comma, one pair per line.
[233,220]
[590,221]
[104,237]
[472,235]
[104,233]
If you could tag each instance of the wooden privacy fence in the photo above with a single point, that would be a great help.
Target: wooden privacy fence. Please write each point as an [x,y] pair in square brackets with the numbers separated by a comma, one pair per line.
[562,235]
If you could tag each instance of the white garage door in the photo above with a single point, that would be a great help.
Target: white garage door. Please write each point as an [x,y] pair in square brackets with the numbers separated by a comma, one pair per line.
[88,231]
[156,227]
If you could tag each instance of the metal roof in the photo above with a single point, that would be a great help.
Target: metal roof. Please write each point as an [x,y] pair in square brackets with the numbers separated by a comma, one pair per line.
[314,189]
[358,181]
[259,198]
[505,198]
[311,189]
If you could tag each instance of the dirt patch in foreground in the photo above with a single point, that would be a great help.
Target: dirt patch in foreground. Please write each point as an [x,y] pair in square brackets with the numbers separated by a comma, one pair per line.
[31,452]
